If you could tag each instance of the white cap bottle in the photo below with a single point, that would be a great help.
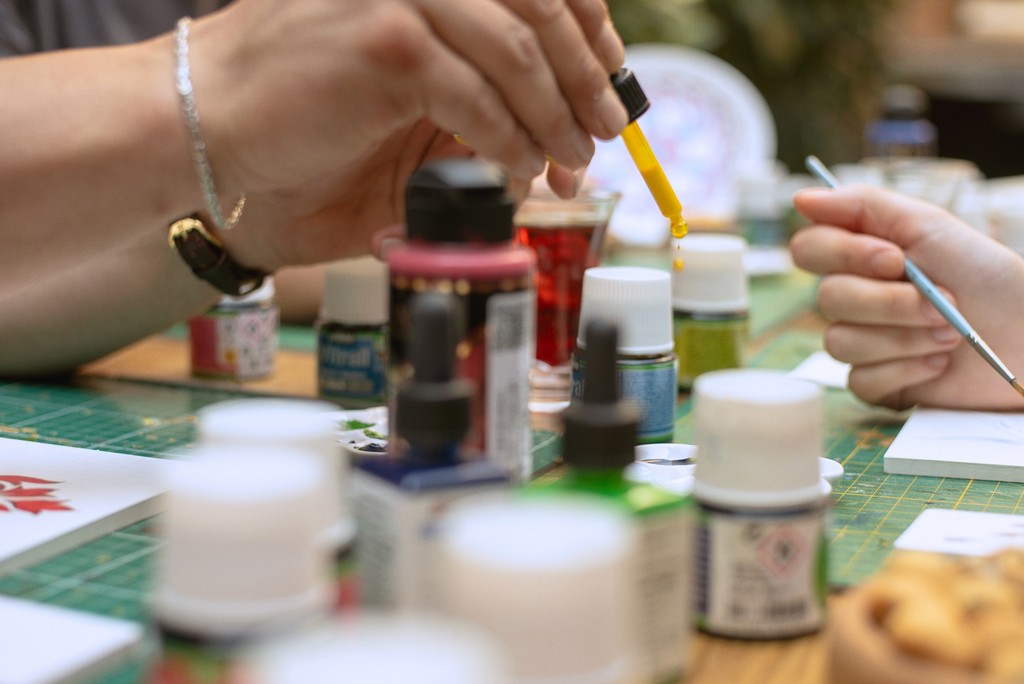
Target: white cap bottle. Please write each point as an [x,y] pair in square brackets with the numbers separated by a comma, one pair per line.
[639,302]
[761,503]
[383,649]
[710,301]
[244,552]
[550,577]
[352,333]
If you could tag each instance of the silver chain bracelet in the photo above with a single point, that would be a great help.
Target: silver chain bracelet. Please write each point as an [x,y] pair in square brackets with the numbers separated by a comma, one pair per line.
[183,81]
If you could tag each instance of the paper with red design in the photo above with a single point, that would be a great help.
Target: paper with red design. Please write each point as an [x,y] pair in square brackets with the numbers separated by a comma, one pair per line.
[53,498]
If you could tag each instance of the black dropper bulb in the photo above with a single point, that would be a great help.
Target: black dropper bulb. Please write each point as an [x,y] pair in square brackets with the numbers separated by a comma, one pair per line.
[629,91]
[433,406]
[600,428]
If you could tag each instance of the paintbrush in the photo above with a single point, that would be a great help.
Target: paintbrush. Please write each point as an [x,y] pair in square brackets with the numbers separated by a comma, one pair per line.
[928,289]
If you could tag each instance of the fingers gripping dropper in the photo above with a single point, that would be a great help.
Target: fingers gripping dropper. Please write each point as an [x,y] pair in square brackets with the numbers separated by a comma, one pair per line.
[928,289]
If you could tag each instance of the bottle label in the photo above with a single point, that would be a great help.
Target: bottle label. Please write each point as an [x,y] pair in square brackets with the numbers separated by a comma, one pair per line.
[651,384]
[704,345]
[396,550]
[352,366]
[761,574]
[509,355]
[665,600]
[234,343]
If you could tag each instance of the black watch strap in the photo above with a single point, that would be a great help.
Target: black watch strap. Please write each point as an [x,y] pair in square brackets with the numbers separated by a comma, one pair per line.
[208,259]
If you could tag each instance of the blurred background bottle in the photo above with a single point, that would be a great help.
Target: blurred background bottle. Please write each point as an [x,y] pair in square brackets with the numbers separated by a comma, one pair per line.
[902,128]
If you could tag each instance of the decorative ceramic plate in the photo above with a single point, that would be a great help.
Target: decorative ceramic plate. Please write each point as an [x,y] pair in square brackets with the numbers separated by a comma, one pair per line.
[706,122]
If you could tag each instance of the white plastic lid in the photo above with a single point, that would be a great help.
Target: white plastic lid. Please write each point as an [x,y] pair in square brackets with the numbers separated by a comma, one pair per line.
[262,294]
[244,545]
[356,291]
[638,300]
[384,649]
[549,576]
[713,278]
[759,438]
[298,424]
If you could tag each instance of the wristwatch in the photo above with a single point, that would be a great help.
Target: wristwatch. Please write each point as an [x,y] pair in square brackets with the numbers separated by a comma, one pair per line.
[208,259]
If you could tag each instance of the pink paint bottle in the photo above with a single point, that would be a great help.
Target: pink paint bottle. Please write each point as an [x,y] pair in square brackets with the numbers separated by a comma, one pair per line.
[461,241]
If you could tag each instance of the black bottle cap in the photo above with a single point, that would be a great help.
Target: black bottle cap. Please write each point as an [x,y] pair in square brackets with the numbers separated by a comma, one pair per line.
[459,200]
[631,94]
[600,428]
[433,406]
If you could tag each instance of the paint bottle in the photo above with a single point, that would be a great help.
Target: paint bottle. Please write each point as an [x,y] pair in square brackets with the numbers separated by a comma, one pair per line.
[237,338]
[398,498]
[761,505]
[709,306]
[760,217]
[383,648]
[599,439]
[461,241]
[243,560]
[639,302]
[296,425]
[549,576]
[902,128]
[352,333]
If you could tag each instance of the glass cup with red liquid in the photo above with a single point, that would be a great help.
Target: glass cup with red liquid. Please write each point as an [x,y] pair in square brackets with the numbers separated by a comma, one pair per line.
[567,237]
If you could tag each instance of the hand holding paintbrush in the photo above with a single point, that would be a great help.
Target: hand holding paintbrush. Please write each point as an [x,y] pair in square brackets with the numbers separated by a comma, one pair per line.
[901,352]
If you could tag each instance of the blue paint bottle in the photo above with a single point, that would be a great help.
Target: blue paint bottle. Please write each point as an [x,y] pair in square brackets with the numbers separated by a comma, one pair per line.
[639,302]
[398,498]
[352,333]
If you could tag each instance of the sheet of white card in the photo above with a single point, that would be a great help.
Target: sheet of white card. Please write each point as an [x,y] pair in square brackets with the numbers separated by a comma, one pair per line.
[84,494]
[821,368]
[970,533]
[48,645]
[975,445]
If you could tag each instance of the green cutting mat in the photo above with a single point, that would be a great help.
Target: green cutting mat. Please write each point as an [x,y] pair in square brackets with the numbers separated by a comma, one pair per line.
[112,575]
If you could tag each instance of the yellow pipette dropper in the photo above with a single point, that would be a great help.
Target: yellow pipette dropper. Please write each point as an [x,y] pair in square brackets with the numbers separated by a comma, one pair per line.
[636,103]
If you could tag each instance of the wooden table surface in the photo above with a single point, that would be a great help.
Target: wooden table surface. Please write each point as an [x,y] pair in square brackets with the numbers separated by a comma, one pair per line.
[713,660]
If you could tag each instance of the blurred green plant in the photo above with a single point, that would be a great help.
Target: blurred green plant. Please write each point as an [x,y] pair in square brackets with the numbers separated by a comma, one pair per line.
[816,62]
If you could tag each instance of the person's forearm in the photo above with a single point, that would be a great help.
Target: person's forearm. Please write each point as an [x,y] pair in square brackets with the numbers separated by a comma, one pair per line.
[299,292]
[97,306]
[94,151]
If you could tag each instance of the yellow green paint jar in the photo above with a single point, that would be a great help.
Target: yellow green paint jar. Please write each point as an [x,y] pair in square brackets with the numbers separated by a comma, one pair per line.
[710,305]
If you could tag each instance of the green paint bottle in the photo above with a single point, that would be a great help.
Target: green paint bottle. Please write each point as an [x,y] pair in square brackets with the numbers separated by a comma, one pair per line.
[599,440]
[709,306]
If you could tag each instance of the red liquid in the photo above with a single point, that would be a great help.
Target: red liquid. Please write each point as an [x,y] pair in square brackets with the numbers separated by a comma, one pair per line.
[563,253]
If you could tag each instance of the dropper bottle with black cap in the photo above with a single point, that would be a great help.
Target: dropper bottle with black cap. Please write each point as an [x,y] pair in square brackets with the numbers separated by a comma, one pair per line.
[598,443]
[461,241]
[397,498]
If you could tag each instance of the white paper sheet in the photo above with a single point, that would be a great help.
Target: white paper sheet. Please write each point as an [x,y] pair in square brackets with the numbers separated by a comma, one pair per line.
[975,445]
[821,368]
[53,498]
[969,533]
[44,644]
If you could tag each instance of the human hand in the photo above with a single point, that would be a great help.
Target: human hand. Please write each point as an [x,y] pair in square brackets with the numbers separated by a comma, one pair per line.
[290,92]
[901,350]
